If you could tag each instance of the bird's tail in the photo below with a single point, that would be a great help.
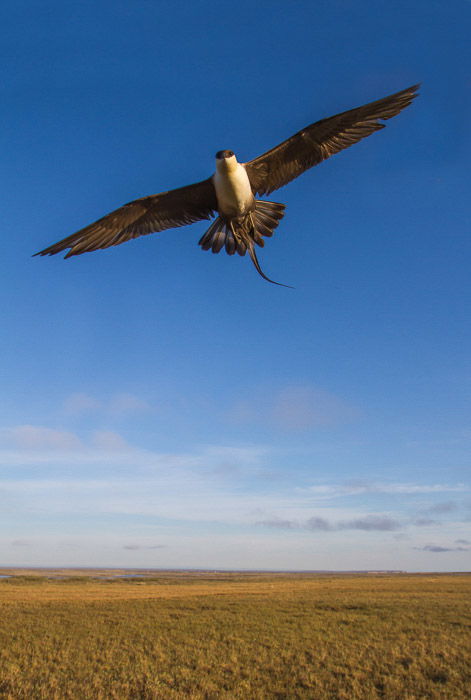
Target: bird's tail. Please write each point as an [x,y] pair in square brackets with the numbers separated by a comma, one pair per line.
[240,235]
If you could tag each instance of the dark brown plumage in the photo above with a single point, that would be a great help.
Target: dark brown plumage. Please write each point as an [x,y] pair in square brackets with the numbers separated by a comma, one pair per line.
[151,214]
[266,173]
[323,139]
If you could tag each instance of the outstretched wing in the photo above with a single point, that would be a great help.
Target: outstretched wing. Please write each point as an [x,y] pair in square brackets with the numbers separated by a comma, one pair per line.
[142,216]
[321,140]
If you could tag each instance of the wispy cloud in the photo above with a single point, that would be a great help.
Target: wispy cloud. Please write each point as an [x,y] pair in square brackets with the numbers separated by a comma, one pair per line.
[29,445]
[439,548]
[445,507]
[317,523]
[358,488]
[79,403]
[109,440]
[143,498]
[295,408]
[425,522]
[34,437]
[117,405]
[125,404]
[103,474]
[136,547]
[381,523]
[279,524]
[372,522]
[301,408]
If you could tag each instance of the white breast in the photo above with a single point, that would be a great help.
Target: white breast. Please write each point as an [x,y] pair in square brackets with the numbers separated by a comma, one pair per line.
[233,190]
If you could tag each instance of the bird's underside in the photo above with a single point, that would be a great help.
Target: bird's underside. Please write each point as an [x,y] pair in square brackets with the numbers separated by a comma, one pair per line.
[242,221]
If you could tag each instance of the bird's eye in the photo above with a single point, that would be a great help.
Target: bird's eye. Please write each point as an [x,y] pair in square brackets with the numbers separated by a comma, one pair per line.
[224,154]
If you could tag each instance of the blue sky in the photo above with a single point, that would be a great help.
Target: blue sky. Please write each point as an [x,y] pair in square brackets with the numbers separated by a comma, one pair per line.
[164,407]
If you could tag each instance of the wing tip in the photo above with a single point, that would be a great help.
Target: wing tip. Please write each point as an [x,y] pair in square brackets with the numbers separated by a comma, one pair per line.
[49,251]
[408,93]
[413,90]
[42,253]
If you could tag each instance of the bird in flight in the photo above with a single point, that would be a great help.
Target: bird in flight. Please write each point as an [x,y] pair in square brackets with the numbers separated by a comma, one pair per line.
[242,221]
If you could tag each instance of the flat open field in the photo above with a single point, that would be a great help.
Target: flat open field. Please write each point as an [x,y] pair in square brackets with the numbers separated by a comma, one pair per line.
[223,635]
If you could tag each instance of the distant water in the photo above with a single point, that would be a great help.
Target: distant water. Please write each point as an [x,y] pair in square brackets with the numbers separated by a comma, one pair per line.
[101,576]
[62,577]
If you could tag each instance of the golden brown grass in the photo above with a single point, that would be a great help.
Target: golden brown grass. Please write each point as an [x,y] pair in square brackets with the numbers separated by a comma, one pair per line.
[236,636]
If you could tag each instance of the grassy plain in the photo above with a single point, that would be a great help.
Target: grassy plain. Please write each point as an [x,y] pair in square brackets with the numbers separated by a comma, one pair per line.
[235,636]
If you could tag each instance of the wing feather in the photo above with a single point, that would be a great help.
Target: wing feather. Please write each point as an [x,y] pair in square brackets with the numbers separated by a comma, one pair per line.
[320,140]
[140,217]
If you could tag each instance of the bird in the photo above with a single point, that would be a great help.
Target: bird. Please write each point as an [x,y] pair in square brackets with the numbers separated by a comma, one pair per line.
[229,196]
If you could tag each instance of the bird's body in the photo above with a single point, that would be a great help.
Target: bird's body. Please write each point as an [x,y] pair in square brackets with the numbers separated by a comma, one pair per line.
[231,192]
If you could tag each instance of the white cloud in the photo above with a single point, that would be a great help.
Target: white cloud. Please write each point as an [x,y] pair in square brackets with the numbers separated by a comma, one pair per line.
[151,497]
[371,522]
[439,548]
[117,405]
[368,523]
[79,403]
[359,488]
[295,408]
[109,440]
[263,549]
[34,437]
[171,487]
[104,474]
[107,452]
[134,547]
[124,404]
[443,507]
[302,408]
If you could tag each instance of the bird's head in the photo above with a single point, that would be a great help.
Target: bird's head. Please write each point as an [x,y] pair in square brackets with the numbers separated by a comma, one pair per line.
[225,160]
